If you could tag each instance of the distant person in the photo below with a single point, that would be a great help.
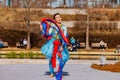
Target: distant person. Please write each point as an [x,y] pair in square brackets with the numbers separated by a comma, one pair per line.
[102,45]
[1,43]
[21,43]
[102,60]
[74,47]
[78,44]
[72,41]
[118,48]
[25,43]
[70,48]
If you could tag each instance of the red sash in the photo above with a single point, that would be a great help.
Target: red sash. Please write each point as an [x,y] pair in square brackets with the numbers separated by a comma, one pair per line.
[55,51]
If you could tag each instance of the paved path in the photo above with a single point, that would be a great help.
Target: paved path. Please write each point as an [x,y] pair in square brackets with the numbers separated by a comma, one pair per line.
[74,70]
[44,61]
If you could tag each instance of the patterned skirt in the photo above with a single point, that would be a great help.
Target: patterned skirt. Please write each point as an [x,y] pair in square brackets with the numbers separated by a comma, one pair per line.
[47,50]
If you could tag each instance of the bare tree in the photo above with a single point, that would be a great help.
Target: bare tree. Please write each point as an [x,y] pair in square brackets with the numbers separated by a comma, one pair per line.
[27,17]
[64,3]
[15,3]
[1,3]
[76,3]
[113,2]
[27,20]
[44,3]
[38,3]
[87,29]
[103,3]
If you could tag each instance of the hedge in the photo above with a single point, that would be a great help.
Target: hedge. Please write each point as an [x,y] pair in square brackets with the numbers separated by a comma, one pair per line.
[112,38]
[22,55]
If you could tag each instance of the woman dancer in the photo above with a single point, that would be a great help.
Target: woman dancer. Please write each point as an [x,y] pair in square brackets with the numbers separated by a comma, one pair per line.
[56,46]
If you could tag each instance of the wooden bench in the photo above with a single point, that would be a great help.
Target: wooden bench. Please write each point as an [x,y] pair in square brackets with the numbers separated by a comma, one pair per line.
[18,45]
[5,44]
[97,45]
[82,45]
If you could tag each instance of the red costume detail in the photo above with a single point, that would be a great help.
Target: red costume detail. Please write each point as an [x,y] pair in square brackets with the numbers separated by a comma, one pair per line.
[61,32]
[55,50]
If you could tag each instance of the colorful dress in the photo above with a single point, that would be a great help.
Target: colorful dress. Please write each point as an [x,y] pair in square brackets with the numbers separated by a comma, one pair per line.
[51,49]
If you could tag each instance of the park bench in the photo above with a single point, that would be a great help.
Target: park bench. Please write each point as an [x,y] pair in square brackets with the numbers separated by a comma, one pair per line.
[97,45]
[82,45]
[18,45]
[5,44]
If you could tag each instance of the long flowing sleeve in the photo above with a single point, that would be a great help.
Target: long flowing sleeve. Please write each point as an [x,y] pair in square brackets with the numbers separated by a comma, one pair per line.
[65,31]
[50,30]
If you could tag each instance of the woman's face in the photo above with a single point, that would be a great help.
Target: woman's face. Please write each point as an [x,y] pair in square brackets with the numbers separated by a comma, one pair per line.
[58,19]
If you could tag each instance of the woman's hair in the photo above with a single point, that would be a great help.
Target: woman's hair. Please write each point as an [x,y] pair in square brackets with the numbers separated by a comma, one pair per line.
[55,15]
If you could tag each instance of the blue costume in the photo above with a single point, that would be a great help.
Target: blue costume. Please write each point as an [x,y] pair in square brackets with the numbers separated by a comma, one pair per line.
[1,44]
[50,51]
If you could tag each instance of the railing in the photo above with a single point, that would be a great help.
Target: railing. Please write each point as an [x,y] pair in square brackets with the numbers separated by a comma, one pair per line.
[94,56]
[73,55]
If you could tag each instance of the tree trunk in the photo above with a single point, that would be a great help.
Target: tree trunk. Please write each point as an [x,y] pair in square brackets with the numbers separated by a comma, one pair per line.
[103,3]
[64,3]
[18,3]
[28,23]
[75,3]
[87,35]
[113,3]
[28,39]
[87,29]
